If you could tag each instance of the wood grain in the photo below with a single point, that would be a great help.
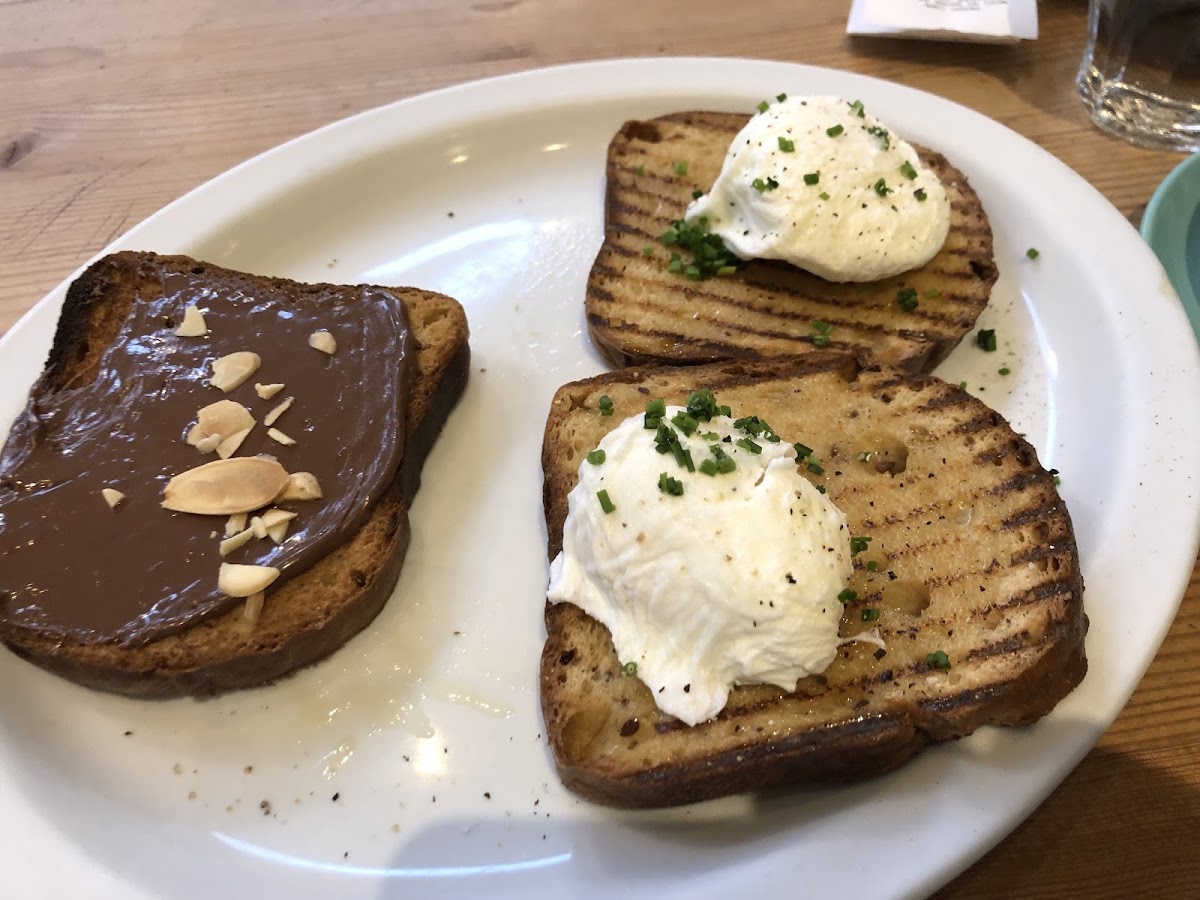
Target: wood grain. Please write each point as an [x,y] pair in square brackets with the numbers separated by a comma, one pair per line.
[110,110]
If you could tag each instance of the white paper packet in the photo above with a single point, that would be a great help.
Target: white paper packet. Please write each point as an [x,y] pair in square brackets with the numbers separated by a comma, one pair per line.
[981,21]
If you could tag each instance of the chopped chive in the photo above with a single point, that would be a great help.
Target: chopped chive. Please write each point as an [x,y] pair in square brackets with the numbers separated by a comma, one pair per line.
[711,436]
[749,445]
[920,194]
[1005,370]
[605,503]
[882,134]
[681,168]
[629,669]
[685,423]
[938,660]
[1054,474]
[1032,253]
[821,332]
[802,451]
[858,545]
[606,405]
[857,108]
[763,106]
[675,266]
[657,407]
[986,339]
[820,488]
[872,566]
[647,250]
[812,177]
[848,595]
[907,298]
[963,385]
[763,186]
[693,272]
[834,131]
[932,292]
[880,187]
[785,145]
[697,194]
[669,485]
[781,97]
[708,467]
[815,468]
[725,271]
[596,457]
[823,195]
[708,251]
[870,615]
[640,171]
[907,170]
[701,405]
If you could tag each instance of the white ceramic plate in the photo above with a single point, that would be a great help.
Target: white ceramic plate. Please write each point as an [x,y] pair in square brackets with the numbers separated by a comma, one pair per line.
[370,774]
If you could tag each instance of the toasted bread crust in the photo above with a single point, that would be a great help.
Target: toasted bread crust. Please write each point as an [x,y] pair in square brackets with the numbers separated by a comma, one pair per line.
[310,615]
[1003,582]
[640,314]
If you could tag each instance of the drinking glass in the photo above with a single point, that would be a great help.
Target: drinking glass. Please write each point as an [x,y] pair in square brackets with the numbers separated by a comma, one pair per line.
[1140,74]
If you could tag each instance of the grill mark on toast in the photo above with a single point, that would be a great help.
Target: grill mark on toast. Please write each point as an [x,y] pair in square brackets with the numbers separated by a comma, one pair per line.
[1032,514]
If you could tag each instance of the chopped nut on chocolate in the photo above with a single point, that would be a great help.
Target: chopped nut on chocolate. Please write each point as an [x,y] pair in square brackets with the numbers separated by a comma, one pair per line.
[240,539]
[301,486]
[257,527]
[230,445]
[275,516]
[278,532]
[209,444]
[192,324]
[245,581]
[267,391]
[235,524]
[276,435]
[324,341]
[232,370]
[112,497]
[226,486]
[273,416]
[220,420]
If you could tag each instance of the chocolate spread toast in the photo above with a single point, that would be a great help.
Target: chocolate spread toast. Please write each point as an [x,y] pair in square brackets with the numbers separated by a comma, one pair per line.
[123,595]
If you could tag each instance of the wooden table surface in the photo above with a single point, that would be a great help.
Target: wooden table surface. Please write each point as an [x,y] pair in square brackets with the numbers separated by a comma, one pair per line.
[110,110]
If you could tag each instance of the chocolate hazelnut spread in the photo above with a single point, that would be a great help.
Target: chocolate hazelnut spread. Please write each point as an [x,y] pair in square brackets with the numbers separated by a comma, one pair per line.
[73,567]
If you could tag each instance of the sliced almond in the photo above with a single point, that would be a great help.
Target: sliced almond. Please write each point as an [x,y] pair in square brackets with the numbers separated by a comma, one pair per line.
[245,581]
[257,527]
[220,419]
[226,486]
[233,370]
[324,341]
[112,497]
[267,391]
[275,516]
[240,539]
[278,532]
[271,417]
[276,435]
[192,324]
[230,445]
[253,608]
[301,486]
[235,524]
[208,444]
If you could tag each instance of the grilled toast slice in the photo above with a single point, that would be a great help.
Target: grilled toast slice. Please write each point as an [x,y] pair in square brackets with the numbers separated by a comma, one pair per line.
[638,313]
[972,554]
[310,615]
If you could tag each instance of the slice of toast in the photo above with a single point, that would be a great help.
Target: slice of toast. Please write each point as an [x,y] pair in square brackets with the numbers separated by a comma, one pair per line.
[638,313]
[311,614]
[973,555]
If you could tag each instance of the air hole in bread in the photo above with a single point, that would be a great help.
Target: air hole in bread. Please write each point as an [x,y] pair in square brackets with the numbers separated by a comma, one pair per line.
[906,596]
[886,397]
[983,271]
[582,730]
[647,132]
[358,576]
[566,657]
[197,270]
[883,452]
